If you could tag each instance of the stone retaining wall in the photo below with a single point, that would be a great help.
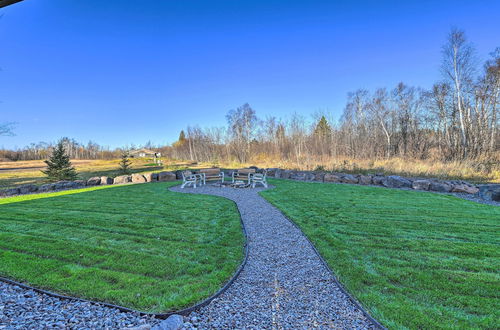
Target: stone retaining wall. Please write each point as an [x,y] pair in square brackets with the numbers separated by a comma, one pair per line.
[487,191]
[94,181]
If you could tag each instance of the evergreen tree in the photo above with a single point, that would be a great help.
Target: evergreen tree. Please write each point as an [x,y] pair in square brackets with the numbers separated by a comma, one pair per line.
[182,137]
[323,129]
[59,166]
[125,163]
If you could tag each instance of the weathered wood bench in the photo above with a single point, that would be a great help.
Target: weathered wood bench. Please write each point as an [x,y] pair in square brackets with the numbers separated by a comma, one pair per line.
[244,174]
[211,174]
[259,178]
[190,178]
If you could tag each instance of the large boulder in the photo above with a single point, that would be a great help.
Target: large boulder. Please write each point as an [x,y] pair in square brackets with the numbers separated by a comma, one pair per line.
[173,322]
[302,176]
[440,186]
[330,177]
[138,178]
[47,187]
[421,184]
[349,178]
[27,188]
[464,188]
[277,173]
[122,179]
[11,192]
[285,174]
[178,175]
[150,177]
[94,181]
[271,172]
[319,176]
[166,176]
[365,179]
[395,181]
[80,183]
[105,180]
[378,179]
[63,185]
[490,192]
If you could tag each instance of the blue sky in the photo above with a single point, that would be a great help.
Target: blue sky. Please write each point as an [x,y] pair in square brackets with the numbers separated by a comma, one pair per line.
[120,72]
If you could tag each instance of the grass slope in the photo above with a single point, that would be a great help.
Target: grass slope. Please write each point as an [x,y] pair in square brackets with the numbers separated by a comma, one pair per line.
[139,246]
[413,259]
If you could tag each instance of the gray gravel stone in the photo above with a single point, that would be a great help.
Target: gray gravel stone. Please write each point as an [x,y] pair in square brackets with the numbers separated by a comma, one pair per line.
[284,283]
[26,309]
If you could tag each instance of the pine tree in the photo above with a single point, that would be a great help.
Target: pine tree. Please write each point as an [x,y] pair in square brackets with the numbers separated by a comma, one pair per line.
[59,166]
[182,137]
[125,164]
[323,129]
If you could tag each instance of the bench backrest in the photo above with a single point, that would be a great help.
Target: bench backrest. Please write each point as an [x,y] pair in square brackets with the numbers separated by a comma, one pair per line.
[210,171]
[245,171]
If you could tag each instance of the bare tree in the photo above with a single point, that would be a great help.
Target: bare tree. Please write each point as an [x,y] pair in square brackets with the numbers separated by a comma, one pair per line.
[458,67]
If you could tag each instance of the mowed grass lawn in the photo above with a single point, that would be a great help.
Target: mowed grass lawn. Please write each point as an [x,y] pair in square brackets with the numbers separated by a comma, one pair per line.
[413,259]
[138,246]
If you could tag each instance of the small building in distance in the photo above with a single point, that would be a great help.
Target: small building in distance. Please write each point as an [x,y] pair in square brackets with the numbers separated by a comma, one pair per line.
[143,152]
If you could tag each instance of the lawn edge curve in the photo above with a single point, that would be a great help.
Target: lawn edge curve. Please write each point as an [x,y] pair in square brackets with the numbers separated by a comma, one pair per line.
[184,311]
[375,322]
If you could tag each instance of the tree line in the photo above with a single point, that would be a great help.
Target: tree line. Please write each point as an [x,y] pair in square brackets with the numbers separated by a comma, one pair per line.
[457,119]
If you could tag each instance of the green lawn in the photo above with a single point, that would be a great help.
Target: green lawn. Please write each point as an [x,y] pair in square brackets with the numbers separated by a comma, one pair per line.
[413,259]
[138,246]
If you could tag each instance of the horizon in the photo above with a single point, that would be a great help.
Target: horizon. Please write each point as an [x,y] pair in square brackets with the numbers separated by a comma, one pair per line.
[143,73]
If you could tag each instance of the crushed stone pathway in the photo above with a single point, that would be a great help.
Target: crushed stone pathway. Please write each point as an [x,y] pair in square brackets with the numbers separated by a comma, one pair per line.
[284,283]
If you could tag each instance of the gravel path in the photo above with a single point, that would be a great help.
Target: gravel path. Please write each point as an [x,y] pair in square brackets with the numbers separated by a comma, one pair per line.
[27,309]
[284,283]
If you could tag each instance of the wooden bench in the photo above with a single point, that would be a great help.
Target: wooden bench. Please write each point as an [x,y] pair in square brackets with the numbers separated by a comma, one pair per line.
[190,178]
[211,174]
[244,174]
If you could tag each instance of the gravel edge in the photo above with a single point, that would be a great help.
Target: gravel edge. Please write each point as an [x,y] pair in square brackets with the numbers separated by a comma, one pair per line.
[184,312]
[332,273]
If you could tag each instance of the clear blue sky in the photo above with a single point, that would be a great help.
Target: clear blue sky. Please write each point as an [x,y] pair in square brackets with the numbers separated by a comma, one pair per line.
[120,72]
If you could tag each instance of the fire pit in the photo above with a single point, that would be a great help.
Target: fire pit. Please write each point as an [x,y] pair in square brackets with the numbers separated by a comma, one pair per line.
[236,184]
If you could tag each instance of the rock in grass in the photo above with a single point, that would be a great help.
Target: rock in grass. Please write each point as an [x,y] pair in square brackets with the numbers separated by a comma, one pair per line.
[94,181]
[122,179]
[46,187]
[440,186]
[173,322]
[11,192]
[464,188]
[421,184]
[365,179]
[349,178]
[138,178]
[378,179]
[319,176]
[395,181]
[150,177]
[80,183]
[105,180]
[329,177]
[166,176]
[27,188]
[490,192]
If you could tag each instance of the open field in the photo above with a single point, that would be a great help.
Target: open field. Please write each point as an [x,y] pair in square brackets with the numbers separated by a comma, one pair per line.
[139,246]
[25,172]
[29,172]
[413,259]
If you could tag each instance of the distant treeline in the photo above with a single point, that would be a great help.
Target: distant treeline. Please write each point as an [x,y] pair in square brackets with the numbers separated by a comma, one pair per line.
[457,119]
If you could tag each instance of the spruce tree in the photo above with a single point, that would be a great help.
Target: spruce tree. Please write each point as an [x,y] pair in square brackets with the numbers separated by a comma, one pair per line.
[125,163]
[323,128]
[59,166]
